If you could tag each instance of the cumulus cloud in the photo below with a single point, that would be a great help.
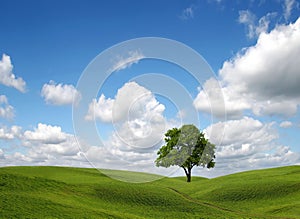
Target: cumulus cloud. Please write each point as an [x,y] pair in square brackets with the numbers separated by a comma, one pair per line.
[241,137]
[246,144]
[282,156]
[100,109]
[10,133]
[286,124]
[272,60]
[253,25]
[50,145]
[123,62]
[139,128]
[45,134]
[132,100]
[45,145]
[45,151]
[7,77]
[60,94]
[269,71]
[265,77]
[6,110]
[133,150]
[220,101]
[135,112]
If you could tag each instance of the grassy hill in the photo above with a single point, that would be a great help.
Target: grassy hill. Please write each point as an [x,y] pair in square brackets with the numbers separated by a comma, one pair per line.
[61,192]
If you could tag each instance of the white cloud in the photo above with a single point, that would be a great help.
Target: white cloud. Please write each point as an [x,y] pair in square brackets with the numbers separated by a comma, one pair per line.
[1,154]
[139,129]
[269,71]
[7,77]
[45,145]
[131,101]
[123,62]
[288,6]
[188,13]
[264,78]
[6,110]
[277,106]
[10,133]
[41,151]
[246,135]
[45,134]
[253,26]
[247,144]
[100,109]
[281,156]
[136,114]
[218,100]
[60,94]
[181,114]
[131,160]
[49,145]
[247,18]
[286,124]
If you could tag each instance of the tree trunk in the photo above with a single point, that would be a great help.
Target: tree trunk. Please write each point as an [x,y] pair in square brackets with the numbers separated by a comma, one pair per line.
[188,173]
[188,177]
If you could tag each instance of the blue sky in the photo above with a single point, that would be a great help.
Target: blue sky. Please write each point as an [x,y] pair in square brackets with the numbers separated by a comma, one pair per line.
[252,48]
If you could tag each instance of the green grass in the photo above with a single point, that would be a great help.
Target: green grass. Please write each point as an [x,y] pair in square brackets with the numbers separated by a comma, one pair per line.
[63,192]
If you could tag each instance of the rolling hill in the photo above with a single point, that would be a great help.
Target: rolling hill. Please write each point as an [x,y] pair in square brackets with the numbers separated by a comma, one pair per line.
[64,192]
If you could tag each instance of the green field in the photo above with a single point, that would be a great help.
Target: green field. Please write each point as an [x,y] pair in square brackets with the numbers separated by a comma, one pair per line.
[62,192]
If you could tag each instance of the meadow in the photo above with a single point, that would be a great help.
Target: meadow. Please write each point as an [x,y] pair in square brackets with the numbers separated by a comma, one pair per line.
[65,192]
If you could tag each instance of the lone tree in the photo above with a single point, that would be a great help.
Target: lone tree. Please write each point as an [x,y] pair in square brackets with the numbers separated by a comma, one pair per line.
[186,147]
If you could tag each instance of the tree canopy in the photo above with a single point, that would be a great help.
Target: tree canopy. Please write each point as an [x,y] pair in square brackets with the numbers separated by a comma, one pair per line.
[186,147]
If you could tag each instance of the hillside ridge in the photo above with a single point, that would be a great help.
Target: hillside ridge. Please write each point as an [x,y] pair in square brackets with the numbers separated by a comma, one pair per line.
[71,192]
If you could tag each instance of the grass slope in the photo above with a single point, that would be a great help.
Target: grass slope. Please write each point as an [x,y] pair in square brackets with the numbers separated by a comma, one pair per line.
[62,192]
